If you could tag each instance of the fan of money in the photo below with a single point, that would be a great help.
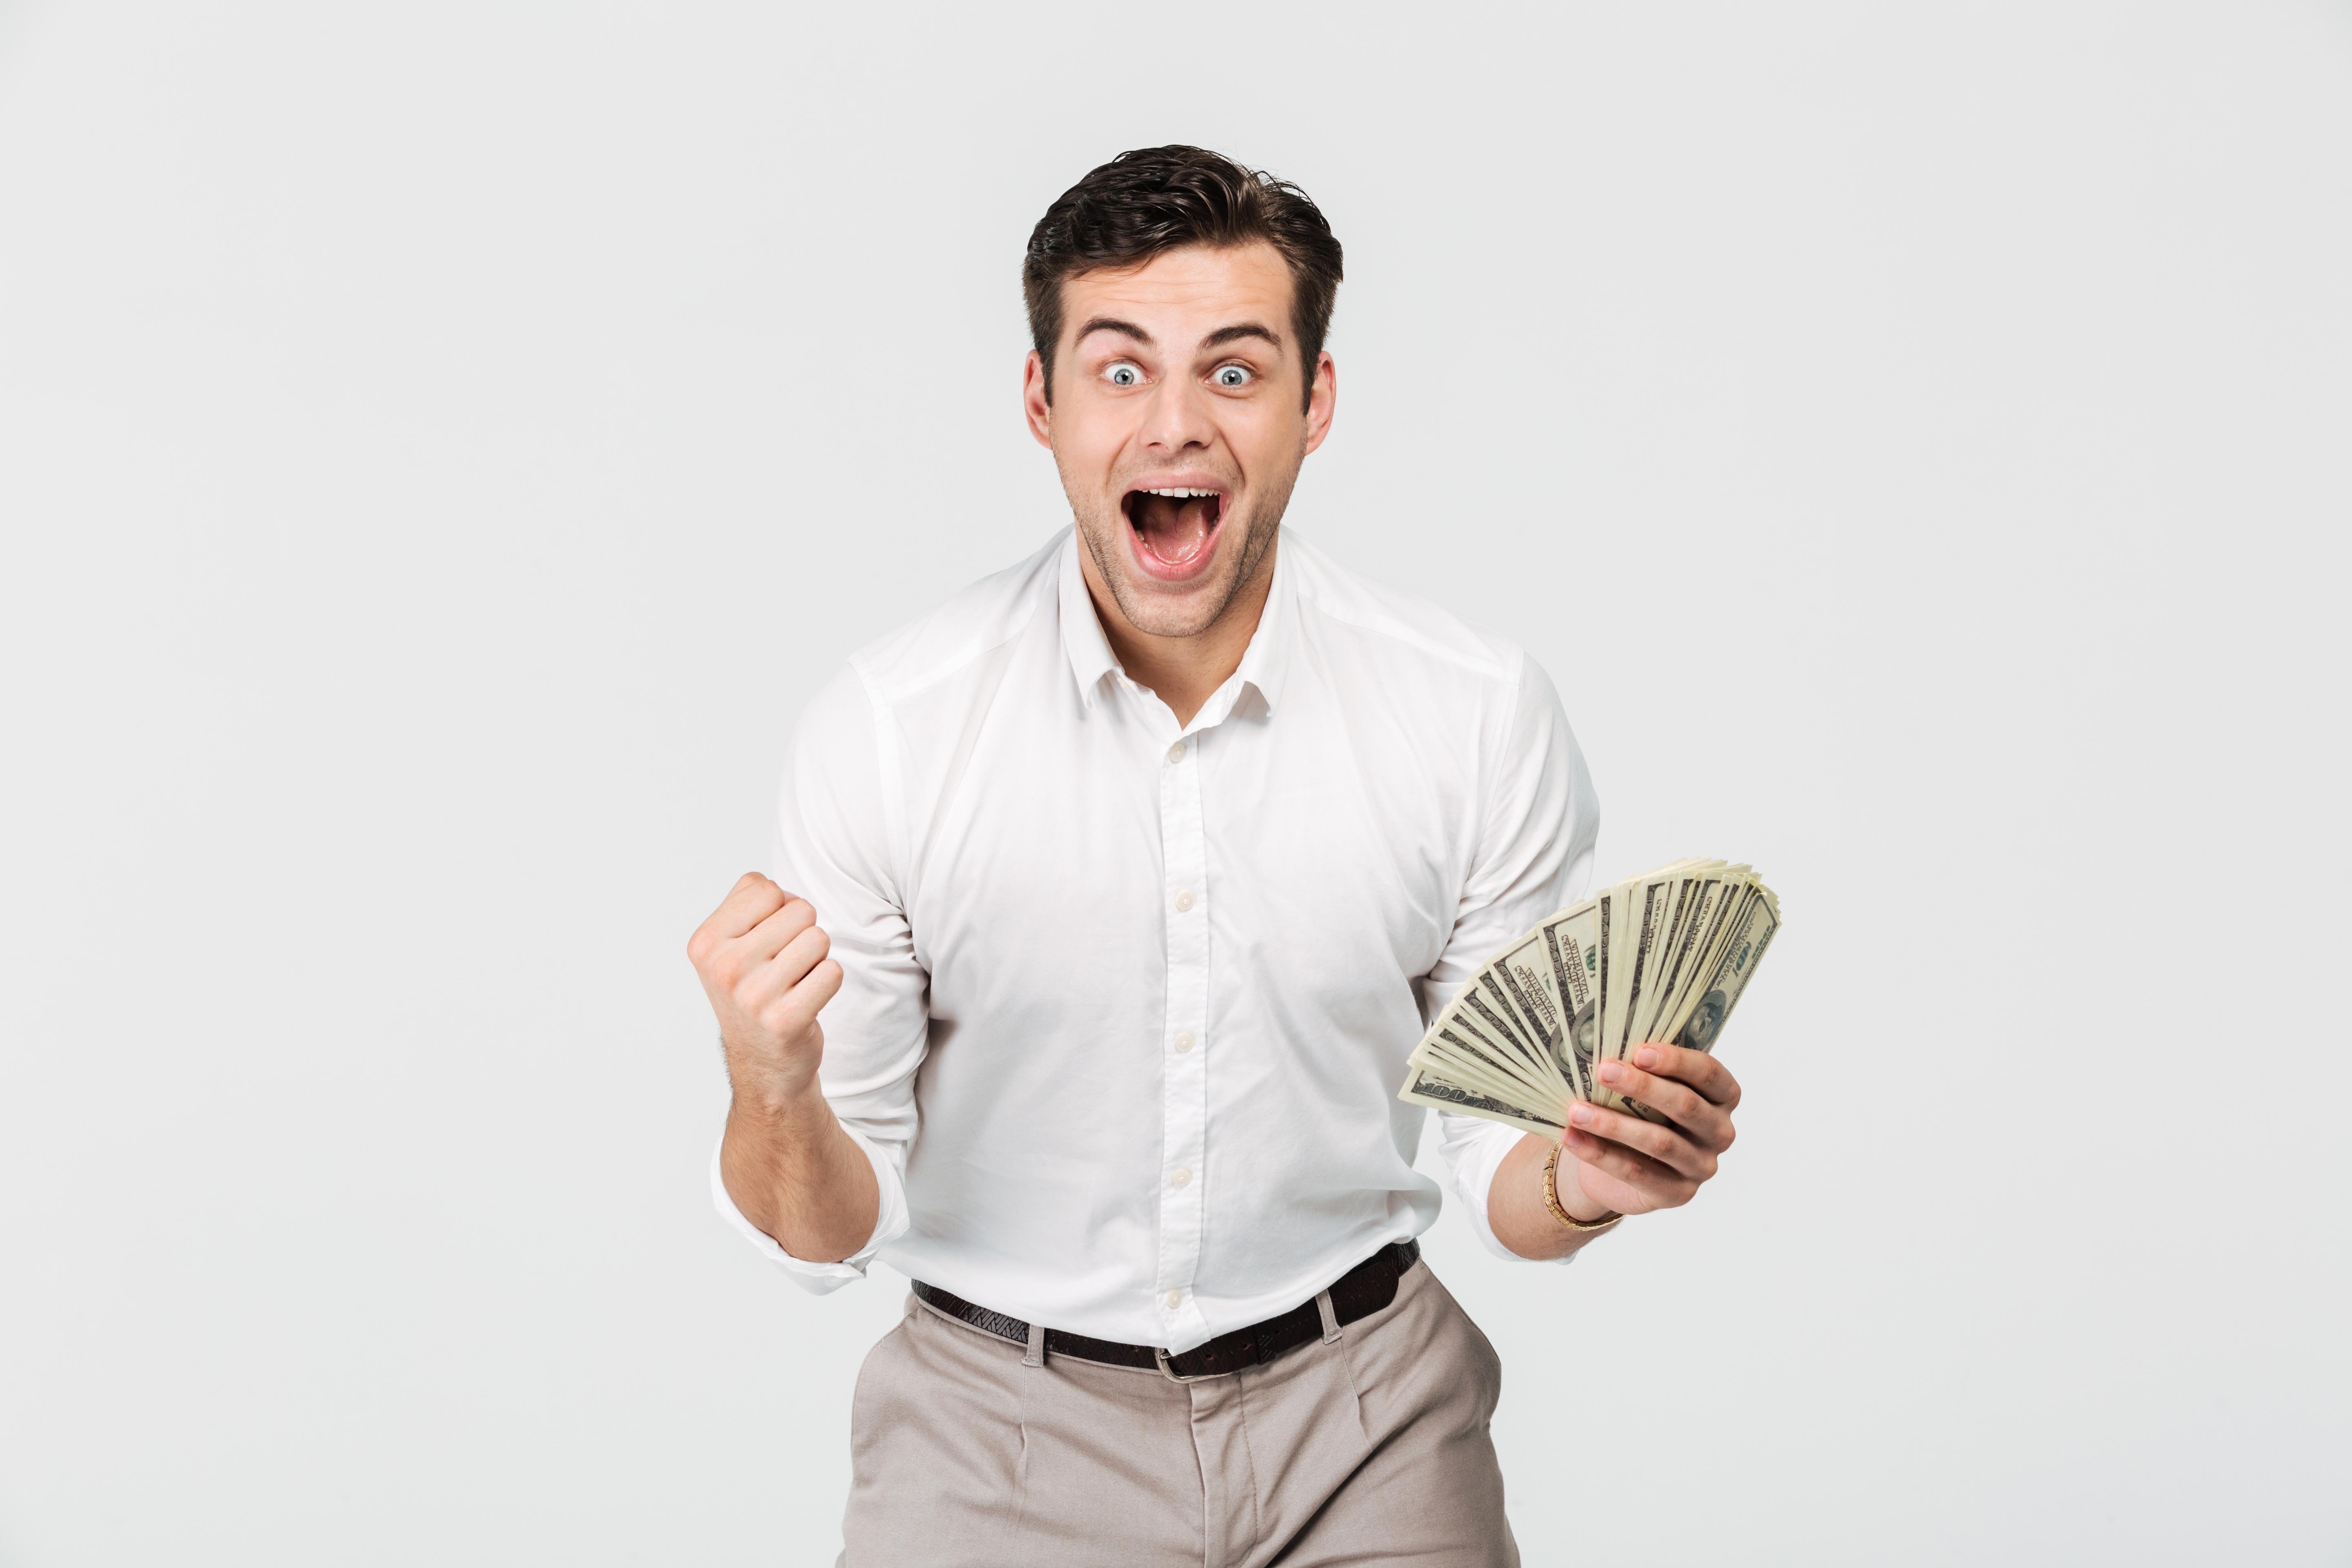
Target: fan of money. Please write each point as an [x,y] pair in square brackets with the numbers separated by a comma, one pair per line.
[1663,956]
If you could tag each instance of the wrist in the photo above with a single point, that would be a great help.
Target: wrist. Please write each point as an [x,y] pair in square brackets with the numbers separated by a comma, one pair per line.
[772,1089]
[1564,1196]
[784,1107]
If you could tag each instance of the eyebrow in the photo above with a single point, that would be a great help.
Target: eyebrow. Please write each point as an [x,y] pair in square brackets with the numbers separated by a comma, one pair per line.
[1215,340]
[1224,335]
[1113,324]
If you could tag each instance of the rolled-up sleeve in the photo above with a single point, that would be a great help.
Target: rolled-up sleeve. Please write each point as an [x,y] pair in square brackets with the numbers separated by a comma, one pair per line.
[821,1278]
[1538,823]
[838,829]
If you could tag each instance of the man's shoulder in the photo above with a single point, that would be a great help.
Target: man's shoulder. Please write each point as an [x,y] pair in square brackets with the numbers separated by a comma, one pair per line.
[1418,631]
[966,628]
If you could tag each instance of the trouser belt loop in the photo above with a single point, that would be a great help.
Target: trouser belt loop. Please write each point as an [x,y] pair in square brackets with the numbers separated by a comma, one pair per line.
[1036,1356]
[1330,1317]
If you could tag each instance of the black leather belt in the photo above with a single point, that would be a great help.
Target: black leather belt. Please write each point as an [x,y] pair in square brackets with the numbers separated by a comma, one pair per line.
[1359,1293]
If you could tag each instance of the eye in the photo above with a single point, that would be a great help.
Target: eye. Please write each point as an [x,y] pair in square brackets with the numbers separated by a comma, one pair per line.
[1233,375]
[1123,374]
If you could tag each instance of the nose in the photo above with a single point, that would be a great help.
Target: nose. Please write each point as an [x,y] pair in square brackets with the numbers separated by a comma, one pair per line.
[1177,419]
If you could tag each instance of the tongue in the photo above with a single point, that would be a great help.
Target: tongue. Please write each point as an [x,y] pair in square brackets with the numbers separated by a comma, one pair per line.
[1174,529]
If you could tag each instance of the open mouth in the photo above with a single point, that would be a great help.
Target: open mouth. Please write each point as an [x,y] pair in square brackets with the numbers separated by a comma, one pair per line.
[1174,526]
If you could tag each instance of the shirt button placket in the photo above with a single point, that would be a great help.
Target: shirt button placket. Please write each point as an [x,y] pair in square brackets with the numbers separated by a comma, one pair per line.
[1184,1067]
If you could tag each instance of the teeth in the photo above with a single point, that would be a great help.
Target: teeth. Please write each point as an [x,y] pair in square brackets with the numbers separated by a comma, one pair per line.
[1179,493]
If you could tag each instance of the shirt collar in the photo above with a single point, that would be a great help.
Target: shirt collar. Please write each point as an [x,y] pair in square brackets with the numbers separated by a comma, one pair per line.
[1265,663]
[1082,635]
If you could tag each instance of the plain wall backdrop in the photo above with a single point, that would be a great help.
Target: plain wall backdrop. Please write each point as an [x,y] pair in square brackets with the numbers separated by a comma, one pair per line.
[442,446]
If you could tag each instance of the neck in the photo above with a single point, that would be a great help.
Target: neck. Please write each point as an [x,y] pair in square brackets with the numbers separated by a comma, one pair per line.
[1183,672]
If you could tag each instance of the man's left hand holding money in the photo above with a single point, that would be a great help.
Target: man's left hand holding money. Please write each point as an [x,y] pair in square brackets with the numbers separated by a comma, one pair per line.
[1614,1162]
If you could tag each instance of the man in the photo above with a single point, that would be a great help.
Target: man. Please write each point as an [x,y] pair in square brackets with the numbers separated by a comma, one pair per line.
[1124,884]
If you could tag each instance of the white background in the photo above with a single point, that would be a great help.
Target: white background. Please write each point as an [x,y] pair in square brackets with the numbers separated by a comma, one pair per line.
[441,446]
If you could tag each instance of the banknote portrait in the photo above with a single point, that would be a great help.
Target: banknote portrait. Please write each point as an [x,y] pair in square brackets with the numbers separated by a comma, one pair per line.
[1580,1030]
[1699,1033]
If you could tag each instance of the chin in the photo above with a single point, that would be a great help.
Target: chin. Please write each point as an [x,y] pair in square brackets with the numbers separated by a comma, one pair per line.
[1154,616]
[1181,604]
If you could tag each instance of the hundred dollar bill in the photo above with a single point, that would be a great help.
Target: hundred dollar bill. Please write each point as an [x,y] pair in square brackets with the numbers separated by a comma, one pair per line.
[1698,909]
[1457,1047]
[1738,904]
[1422,1087]
[1613,919]
[1526,971]
[1480,1033]
[1490,1009]
[1702,1017]
[1647,912]
[1465,1076]
[1642,920]
[1571,943]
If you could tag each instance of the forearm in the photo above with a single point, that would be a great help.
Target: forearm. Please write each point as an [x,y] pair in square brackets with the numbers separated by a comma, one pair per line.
[797,1175]
[1516,1208]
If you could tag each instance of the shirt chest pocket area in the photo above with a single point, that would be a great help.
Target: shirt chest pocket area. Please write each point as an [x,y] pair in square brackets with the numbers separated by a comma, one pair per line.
[1331,872]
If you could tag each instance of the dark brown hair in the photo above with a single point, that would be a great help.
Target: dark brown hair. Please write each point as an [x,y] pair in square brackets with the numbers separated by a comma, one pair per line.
[1161,198]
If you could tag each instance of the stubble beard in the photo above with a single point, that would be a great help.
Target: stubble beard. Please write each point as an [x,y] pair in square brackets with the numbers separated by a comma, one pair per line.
[1258,533]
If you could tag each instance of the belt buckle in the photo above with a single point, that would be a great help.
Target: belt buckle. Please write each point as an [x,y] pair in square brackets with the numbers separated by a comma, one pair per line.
[1160,1357]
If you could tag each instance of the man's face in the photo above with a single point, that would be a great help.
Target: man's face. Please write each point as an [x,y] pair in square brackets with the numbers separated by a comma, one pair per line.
[1177,423]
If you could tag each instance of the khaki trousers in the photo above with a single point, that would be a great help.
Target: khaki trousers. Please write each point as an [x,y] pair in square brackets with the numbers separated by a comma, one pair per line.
[1368,1449]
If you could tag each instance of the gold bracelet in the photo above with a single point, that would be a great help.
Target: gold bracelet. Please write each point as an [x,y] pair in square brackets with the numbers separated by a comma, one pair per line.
[1551,1199]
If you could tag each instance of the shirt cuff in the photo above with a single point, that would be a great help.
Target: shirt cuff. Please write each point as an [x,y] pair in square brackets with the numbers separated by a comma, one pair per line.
[822,1279]
[1474,1150]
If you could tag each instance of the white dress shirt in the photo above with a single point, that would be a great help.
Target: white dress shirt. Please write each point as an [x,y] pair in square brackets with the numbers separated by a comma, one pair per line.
[1127,1001]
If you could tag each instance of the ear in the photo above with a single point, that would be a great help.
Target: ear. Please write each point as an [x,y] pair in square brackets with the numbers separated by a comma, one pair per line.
[1034,402]
[1322,399]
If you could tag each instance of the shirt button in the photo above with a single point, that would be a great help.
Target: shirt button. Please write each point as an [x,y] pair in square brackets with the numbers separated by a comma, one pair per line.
[1183,903]
[1173,1300]
[1176,753]
[1180,1177]
[1183,1044]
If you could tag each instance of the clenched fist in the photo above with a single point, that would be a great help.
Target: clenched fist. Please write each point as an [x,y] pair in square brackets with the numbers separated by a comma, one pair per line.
[761,959]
